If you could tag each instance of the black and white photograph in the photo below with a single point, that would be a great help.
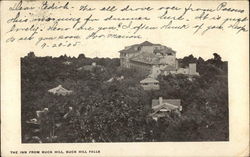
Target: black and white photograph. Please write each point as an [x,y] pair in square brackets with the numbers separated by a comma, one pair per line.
[145,95]
[130,78]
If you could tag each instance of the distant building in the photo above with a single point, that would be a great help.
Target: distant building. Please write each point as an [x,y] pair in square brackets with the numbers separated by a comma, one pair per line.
[59,90]
[146,55]
[67,63]
[162,70]
[150,84]
[192,69]
[86,68]
[161,107]
[91,67]
[115,78]
[154,60]
[31,55]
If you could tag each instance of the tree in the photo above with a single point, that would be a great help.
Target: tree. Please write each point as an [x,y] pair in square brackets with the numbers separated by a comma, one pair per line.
[217,57]
[118,111]
[189,59]
[31,55]
[216,60]
[81,56]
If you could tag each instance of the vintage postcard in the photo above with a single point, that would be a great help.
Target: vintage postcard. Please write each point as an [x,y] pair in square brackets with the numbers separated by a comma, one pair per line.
[124,78]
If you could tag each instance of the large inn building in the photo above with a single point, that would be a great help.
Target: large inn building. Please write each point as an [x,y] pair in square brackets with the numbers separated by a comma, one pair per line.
[146,55]
[154,59]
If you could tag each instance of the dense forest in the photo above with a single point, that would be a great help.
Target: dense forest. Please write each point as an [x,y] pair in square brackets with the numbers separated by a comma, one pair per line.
[117,111]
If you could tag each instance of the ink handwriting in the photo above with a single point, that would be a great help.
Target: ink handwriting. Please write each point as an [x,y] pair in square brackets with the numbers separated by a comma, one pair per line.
[67,24]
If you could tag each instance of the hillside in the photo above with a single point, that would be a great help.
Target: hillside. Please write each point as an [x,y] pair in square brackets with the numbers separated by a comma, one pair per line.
[117,111]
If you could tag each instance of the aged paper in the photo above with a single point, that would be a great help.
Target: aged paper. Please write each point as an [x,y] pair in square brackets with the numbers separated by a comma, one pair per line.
[195,42]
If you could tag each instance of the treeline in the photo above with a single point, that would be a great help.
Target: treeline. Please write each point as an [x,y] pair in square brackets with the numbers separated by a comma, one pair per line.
[117,111]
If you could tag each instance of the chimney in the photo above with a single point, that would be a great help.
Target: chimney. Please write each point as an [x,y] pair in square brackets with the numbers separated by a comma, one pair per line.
[160,100]
[192,68]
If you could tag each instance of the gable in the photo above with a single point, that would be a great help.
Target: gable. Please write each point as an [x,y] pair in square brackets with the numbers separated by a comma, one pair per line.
[176,102]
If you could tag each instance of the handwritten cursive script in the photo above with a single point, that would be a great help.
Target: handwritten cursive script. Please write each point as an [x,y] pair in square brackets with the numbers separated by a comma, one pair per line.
[67,24]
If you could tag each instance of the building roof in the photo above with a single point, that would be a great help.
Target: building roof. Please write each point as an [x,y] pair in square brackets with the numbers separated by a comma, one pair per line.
[59,90]
[89,67]
[176,102]
[167,104]
[149,80]
[132,50]
[146,43]
[147,58]
[67,62]
[165,51]
[129,50]
[169,68]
